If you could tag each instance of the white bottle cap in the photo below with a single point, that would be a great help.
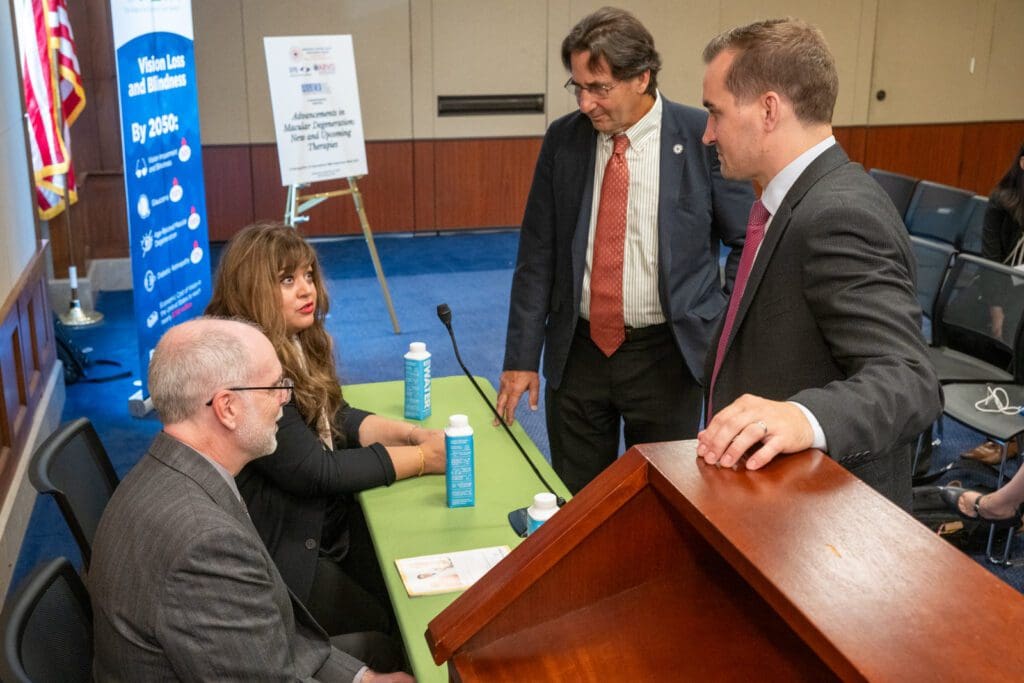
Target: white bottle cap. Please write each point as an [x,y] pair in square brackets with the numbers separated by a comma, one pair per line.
[456,421]
[417,347]
[545,501]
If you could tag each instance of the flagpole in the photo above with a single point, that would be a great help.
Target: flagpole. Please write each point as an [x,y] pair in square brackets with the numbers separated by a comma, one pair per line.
[76,315]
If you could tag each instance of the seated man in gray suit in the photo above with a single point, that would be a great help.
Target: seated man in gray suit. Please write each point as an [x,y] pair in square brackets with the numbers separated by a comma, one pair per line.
[181,584]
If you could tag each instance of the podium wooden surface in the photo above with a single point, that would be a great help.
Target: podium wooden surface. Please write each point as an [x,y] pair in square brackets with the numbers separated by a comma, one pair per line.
[666,569]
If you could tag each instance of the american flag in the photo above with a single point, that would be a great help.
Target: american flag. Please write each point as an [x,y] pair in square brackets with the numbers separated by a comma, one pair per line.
[51,79]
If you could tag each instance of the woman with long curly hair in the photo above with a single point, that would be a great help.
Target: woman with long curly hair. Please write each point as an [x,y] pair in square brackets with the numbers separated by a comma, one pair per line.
[300,497]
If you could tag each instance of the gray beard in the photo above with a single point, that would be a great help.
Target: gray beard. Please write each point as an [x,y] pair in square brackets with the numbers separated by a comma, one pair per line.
[257,442]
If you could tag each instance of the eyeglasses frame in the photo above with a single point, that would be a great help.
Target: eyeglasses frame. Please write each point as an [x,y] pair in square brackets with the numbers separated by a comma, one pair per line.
[286,384]
[599,91]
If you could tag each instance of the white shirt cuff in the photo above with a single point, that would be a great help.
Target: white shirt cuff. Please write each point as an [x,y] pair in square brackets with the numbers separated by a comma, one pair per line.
[819,435]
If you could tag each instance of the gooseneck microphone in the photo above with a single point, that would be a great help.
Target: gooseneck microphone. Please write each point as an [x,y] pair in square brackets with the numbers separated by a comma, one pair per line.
[444,313]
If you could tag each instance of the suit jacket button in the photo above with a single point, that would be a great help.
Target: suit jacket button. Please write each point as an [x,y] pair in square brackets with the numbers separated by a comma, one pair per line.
[310,544]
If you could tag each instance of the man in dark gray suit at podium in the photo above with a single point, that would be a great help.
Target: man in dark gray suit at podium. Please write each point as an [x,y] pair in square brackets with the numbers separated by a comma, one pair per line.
[821,345]
[182,587]
[617,276]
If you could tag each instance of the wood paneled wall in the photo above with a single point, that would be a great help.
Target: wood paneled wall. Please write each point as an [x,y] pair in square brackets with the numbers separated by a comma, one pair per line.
[27,356]
[973,156]
[413,186]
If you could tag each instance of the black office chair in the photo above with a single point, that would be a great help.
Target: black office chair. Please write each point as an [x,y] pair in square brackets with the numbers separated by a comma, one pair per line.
[975,224]
[900,188]
[939,212]
[46,628]
[964,346]
[73,467]
[933,262]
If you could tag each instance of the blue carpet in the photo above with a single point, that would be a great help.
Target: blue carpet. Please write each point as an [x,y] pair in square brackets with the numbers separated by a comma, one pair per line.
[471,272]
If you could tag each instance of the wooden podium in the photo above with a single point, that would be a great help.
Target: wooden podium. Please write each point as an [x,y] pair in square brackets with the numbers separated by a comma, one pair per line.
[666,569]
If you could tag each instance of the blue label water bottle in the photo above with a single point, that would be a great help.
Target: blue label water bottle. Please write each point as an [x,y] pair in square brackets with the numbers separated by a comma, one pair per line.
[460,484]
[544,506]
[417,382]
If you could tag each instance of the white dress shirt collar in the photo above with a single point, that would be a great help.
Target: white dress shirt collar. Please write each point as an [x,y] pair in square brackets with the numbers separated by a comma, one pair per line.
[779,186]
[642,130]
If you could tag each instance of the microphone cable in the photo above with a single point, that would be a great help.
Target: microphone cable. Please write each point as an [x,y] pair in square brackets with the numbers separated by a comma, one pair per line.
[444,313]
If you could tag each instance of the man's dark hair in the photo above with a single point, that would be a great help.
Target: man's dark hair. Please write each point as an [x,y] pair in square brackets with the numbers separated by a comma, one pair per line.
[621,39]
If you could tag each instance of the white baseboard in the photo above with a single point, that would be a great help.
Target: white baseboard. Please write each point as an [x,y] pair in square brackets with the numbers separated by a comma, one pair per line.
[110,274]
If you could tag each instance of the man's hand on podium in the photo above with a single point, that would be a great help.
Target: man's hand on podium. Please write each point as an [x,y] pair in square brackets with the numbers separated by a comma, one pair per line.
[779,426]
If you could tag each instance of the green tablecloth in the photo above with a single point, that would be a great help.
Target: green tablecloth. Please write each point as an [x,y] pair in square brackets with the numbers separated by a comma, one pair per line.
[410,517]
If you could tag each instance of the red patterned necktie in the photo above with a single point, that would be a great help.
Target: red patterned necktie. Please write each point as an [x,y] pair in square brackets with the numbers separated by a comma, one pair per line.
[607,327]
[755,234]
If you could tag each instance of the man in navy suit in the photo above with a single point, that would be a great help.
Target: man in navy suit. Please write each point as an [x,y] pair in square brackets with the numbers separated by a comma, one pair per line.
[617,276]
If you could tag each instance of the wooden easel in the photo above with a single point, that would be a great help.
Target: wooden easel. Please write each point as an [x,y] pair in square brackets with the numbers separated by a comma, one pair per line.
[298,204]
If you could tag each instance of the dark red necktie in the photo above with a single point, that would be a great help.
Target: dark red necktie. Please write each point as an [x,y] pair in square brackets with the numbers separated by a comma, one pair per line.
[607,327]
[755,235]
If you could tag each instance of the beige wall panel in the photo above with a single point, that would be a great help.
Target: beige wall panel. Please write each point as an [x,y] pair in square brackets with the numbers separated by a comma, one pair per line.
[561,18]
[220,72]
[380,35]
[10,86]
[17,207]
[488,47]
[981,48]
[421,38]
[842,23]
[17,200]
[923,54]
[1003,96]
[860,94]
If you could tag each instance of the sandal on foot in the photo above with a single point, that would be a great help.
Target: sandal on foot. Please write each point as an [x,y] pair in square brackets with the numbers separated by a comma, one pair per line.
[951,496]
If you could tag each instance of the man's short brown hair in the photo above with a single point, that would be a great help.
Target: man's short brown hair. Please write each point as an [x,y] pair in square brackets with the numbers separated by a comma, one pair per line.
[788,56]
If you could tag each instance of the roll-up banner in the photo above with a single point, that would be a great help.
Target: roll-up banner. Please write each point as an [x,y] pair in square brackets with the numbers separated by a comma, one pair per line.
[163,167]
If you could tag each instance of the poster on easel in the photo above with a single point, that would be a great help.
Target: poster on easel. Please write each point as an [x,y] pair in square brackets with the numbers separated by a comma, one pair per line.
[315,98]
[163,167]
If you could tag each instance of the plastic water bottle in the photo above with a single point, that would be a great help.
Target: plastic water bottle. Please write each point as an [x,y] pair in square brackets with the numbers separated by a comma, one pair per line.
[417,382]
[544,506]
[460,482]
